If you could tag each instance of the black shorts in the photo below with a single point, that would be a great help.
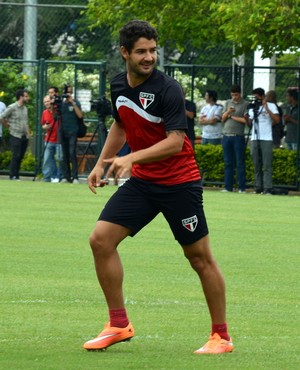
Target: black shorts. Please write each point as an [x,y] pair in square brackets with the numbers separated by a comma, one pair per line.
[137,202]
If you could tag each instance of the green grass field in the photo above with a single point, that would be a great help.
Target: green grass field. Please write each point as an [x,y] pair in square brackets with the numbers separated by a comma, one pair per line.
[51,303]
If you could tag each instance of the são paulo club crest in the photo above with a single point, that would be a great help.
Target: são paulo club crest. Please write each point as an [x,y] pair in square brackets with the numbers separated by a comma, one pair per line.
[146,99]
[190,223]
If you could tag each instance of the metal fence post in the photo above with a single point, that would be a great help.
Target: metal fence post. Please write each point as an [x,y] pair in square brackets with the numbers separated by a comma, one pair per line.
[39,110]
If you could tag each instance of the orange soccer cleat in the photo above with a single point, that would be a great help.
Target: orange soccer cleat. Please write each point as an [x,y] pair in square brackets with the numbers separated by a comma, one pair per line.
[110,335]
[215,345]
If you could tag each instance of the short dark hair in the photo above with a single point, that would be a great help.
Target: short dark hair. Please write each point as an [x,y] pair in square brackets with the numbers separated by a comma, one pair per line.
[20,93]
[259,91]
[293,93]
[134,30]
[212,94]
[236,89]
[55,88]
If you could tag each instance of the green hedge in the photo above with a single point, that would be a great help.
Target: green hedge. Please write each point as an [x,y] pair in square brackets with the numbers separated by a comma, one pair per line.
[27,165]
[211,163]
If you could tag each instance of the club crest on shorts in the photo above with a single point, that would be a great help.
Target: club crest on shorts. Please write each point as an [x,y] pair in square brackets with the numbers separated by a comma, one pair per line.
[146,99]
[190,223]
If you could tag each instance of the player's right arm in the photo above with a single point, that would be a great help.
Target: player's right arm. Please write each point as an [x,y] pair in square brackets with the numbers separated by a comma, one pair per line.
[115,140]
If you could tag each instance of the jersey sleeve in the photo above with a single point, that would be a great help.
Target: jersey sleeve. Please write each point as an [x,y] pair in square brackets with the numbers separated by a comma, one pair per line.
[174,108]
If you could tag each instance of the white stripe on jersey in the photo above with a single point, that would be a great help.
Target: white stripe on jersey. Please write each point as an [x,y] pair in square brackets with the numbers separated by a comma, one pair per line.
[123,101]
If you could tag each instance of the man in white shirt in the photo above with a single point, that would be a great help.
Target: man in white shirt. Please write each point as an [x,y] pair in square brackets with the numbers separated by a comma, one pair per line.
[210,119]
[263,116]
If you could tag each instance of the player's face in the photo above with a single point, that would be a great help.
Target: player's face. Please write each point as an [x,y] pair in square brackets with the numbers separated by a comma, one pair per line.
[142,58]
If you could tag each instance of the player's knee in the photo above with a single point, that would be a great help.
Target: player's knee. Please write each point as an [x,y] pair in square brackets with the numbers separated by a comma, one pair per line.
[200,263]
[101,244]
[96,242]
[93,241]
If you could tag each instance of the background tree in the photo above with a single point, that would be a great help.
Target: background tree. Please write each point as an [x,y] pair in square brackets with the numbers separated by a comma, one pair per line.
[269,25]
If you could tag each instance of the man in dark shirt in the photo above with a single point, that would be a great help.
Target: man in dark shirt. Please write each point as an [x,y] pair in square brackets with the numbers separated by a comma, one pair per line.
[190,111]
[71,113]
[291,120]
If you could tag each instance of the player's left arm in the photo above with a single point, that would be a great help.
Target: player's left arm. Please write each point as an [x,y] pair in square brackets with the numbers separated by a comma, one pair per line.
[167,147]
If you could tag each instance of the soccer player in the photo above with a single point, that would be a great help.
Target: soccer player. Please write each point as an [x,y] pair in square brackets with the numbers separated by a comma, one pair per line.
[149,113]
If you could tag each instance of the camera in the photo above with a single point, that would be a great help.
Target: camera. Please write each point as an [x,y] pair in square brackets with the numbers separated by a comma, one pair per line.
[56,102]
[101,106]
[65,93]
[255,104]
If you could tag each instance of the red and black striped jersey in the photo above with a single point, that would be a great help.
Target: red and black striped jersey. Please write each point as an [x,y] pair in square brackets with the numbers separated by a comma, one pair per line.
[146,113]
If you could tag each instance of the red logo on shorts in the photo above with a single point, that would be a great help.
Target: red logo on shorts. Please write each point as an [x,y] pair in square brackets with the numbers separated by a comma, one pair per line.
[190,223]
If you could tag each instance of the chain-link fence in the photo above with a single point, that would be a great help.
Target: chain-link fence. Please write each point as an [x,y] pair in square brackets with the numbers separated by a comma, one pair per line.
[89,82]
[196,79]
[43,44]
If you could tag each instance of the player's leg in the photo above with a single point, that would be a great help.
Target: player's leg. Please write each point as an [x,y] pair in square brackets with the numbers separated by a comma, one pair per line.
[184,211]
[201,260]
[127,212]
[104,241]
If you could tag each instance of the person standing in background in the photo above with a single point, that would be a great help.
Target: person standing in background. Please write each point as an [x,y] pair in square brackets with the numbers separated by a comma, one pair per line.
[234,139]
[15,117]
[262,115]
[277,127]
[2,109]
[52,147]
[291,120]
[210,119]
[71,113]
[190,111]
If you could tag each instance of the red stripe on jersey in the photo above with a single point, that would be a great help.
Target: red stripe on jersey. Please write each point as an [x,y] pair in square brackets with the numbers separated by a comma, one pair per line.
[144,130]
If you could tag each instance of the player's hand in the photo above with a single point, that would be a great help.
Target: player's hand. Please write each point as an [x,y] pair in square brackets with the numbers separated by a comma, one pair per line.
[95,179]
[119,166]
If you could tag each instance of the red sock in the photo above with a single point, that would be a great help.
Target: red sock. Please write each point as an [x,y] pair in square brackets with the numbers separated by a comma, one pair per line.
[220,329]
[118,318]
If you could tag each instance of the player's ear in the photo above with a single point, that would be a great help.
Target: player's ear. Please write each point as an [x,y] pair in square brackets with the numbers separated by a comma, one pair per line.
[124,52]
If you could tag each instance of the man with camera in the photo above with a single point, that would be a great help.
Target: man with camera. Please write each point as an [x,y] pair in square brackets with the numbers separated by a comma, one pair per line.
[52,147]
[263,115]
[71,113]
